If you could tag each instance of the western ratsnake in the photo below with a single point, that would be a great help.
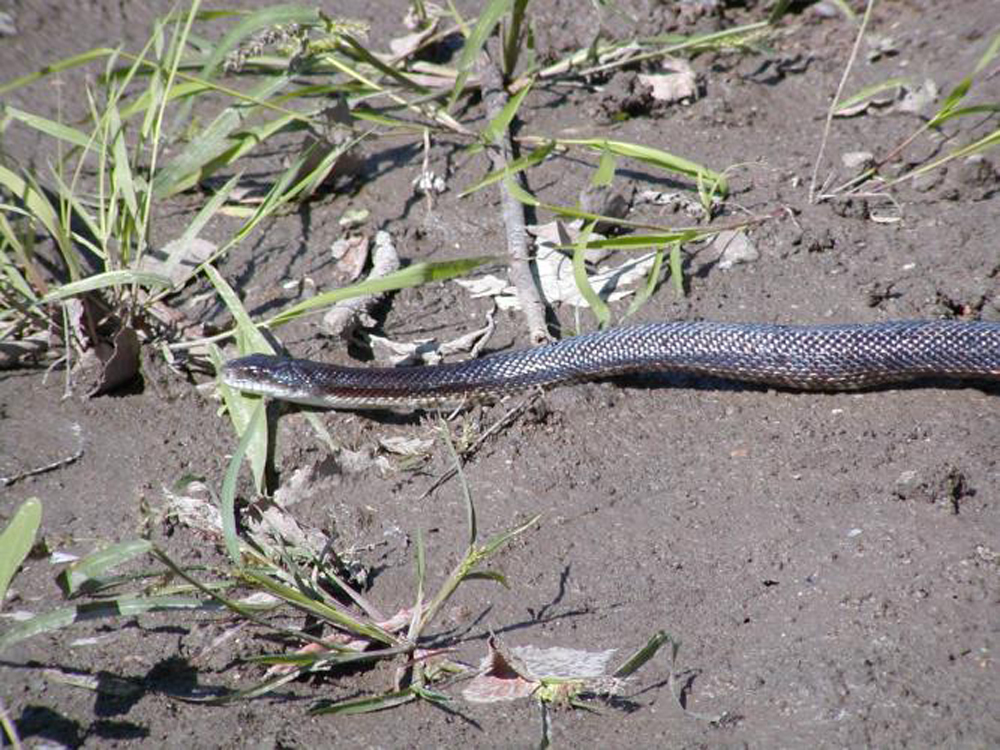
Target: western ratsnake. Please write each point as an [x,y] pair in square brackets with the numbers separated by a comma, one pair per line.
[807,357]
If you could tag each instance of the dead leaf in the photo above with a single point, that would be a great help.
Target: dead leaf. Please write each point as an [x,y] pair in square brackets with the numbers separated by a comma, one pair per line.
[677,83]
[351,255]
[519,672]
[119,361]
[404,46]
[734,247]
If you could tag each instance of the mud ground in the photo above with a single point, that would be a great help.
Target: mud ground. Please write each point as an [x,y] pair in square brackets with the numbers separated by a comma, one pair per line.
[830,561]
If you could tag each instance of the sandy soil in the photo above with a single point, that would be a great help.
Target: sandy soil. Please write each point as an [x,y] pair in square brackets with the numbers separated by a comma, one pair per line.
[830,562]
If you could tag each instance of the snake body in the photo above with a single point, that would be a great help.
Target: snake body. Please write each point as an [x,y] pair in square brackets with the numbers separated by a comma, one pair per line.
[805,357]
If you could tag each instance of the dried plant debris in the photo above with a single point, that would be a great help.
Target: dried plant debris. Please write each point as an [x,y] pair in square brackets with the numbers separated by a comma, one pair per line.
[344,318]
[554,674]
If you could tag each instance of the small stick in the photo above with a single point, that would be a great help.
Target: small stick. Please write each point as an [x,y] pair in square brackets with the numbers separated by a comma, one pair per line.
[495,98]
[836,98]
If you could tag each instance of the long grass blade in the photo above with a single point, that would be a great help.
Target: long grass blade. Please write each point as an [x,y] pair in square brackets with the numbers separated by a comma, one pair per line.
[74,579]
[488,20]
[104,280]
[125,606]
[17,540]
[251,435]
[415,275]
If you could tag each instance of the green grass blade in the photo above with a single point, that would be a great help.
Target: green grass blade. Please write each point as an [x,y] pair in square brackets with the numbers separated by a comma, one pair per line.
[605,172]
[495,542]
[150,98]
[251,340]
[74,579]
[242,409]
[647,652]
[209,210]
[986,142]
[365,705]
[125,606]
[649,241]
[415,275]
[57,67]
[121,166]
[256,426]
[17,540]
[653,156]
[677,268]
[320,609]
[868,92]
[600,309]
[651,281]
[973,109]
[488,20]
[40,208]
[192,164]
[388,70]
[104,280]
[536,156]
[499,124]
[49,127]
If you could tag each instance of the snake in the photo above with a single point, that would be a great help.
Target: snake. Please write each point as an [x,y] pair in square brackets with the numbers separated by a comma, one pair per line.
[826,357]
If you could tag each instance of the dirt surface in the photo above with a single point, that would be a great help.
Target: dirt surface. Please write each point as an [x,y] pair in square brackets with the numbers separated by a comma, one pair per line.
[829,561]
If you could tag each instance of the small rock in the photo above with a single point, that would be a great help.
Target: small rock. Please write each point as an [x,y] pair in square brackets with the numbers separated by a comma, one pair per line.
[927,181]
[916,100]
[7,27]
[976,176]
[858,160]
[852,208]
[944,485]
[734,247]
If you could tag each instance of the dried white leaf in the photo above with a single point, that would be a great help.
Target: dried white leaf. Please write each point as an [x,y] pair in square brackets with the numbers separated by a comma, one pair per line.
[677,83]
[405,353]
[916,100]
[406,446]
[734,247]
[344,318]
[194,512]
[555,274]
[278,526]
[486,286]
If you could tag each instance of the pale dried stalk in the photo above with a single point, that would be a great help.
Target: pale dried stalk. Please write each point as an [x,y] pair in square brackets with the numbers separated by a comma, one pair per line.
[495,98]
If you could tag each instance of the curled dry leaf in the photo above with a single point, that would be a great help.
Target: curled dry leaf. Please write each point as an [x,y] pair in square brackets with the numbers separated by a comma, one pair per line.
[519,672]
[677,82]
[273,526]
[734,247]
[917,99]
[194,509]
[406,446]
[404,46]
[344,318]
[351,255]
[426,351]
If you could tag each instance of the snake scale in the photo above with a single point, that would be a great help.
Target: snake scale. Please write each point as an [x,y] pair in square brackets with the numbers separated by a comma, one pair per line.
[800,357]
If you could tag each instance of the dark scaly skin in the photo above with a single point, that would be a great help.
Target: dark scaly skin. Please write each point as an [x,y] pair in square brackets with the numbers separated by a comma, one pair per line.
[811,357]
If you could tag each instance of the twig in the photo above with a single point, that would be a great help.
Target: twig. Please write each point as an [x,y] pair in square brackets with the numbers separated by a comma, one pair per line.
[836,98]
[65,461]
[495,98]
